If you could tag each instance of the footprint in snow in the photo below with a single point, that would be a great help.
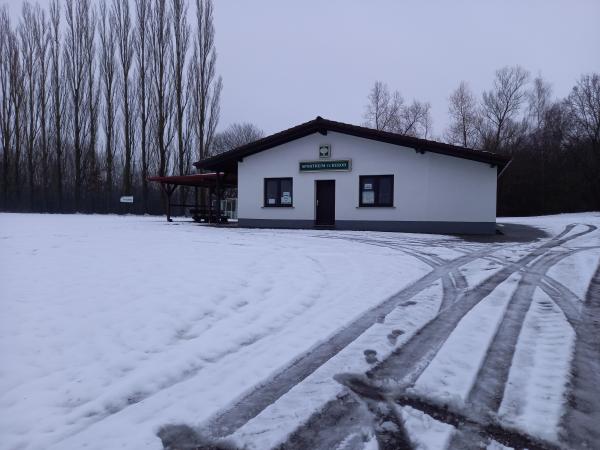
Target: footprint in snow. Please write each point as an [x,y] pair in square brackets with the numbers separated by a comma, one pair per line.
[393,336]
[183,437]
[370,356]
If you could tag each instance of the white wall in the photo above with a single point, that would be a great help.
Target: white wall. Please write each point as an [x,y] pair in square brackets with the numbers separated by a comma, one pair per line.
[427,187]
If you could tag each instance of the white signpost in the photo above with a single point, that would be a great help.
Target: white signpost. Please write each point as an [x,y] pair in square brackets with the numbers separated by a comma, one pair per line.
[127,199]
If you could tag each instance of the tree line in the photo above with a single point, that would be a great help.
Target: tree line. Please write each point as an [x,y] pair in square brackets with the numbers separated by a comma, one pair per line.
[554,143]
[95,98]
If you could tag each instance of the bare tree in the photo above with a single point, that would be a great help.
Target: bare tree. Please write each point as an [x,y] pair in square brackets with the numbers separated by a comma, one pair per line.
[91,167]
[584,108]
[181,35]
[107,71]
[538,106]
[142,9]
[56,82]
[160,48]
[77,19]
[202,73]
[502,105]
[383,109]
[214,112]
[6,104]
[387,112]
[414,119]
[124,36]
[538,102]
[28,55]
[463,117]
[17,91]
[188,130]
[42,53]
[235,136]
[57,97]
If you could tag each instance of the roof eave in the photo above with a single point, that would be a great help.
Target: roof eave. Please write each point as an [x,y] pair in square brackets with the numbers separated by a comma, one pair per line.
[228,161]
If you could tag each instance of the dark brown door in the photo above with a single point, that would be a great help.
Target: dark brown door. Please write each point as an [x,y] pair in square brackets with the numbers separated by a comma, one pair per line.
[325,200]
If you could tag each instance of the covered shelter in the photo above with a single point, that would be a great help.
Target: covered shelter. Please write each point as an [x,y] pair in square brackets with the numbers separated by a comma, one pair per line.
[213,182]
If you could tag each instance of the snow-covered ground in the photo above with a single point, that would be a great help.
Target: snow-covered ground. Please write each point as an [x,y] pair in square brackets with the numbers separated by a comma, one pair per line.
[112,327]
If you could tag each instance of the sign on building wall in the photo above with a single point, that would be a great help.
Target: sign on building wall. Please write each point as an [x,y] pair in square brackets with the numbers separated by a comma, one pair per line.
[325,151]
[126,199]
[332,165]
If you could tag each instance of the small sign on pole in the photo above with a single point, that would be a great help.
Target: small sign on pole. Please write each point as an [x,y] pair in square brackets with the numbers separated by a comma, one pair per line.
[127,199]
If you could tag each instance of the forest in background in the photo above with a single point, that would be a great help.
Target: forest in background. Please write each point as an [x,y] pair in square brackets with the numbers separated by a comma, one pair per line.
[94,98]
[554,143]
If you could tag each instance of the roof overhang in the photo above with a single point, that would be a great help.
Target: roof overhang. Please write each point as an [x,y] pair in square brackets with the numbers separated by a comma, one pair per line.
[227,162]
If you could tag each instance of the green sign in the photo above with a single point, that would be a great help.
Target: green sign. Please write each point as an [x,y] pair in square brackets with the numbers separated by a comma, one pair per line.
[316,166]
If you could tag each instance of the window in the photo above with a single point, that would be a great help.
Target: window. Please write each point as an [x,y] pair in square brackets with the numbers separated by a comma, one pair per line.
[278,192]
[376,190]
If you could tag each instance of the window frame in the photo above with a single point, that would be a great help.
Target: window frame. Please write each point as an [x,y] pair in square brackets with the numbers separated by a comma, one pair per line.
[278,203]
[376,184]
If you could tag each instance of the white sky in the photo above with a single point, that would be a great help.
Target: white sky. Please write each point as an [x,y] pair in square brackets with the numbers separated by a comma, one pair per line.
[285,62]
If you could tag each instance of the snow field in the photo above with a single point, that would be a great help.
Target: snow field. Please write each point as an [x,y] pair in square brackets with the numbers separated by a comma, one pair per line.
[114,326]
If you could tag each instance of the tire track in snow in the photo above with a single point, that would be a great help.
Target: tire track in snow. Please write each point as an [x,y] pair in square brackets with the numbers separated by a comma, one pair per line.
[407,363]
[250,405]
[452,282]
[443,325]
[563,297]
[368,392]
[488,391]
[583,413]
[100,408]
[450,286]
[568,302]
[493,374]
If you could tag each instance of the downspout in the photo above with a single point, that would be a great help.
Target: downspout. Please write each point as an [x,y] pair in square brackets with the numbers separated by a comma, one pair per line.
[498,190]
[504,168]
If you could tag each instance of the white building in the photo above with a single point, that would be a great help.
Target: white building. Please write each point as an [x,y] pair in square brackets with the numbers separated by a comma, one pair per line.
[330,174]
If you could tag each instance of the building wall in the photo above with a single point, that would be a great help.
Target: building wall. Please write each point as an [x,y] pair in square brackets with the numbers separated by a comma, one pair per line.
[428,188]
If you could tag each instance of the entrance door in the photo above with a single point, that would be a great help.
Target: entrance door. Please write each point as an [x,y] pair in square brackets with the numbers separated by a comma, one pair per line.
[325,202]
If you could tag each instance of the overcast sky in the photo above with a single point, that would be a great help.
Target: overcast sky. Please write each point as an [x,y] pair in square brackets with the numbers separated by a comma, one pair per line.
[285,62]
